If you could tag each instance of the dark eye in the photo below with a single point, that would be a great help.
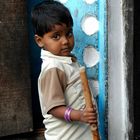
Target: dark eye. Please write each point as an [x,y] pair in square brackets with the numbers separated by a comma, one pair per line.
[56,36]
[69,33]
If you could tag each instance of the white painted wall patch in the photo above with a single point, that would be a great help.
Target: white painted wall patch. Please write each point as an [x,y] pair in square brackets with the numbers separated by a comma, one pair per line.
[90,56]
[89,24]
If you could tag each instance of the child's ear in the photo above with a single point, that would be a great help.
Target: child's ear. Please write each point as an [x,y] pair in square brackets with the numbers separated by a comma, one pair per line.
[39,41]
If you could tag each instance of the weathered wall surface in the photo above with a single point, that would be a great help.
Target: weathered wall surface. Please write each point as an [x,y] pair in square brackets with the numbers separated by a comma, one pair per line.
[136,70]
[120,63]
[15,95]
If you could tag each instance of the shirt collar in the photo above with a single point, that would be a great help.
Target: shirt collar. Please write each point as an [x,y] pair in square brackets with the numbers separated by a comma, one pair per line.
[45,55]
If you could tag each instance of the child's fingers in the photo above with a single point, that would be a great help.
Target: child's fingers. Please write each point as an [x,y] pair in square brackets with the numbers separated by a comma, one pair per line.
[92,120]
[94,107]
[91,115]
[92,110]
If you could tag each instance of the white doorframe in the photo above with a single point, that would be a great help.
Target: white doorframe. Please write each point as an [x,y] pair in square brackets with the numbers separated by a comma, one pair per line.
[120,48]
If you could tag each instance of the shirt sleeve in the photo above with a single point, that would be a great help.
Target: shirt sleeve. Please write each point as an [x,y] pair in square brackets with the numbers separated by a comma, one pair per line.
[52,86]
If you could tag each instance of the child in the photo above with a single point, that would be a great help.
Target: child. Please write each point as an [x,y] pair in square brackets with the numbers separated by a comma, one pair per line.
[60,91]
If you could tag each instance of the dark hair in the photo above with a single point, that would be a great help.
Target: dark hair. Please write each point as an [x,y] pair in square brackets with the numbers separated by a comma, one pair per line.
[48,13]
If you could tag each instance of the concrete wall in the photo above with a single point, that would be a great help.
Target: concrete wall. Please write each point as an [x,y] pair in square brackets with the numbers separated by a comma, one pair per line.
[120,69]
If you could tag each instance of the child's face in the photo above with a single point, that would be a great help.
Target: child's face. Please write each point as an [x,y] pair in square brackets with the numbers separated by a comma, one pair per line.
[59,41]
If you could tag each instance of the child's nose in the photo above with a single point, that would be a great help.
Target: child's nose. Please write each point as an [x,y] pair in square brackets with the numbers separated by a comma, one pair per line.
[65,40]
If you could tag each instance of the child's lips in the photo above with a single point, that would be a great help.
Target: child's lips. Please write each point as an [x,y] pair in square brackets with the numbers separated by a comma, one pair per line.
[65,50]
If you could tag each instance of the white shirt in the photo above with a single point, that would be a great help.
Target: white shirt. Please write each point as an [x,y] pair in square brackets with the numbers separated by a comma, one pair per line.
[59,84]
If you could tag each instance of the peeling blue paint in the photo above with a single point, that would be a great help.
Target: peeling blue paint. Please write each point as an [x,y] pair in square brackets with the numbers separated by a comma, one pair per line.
[78,11]
[102,67]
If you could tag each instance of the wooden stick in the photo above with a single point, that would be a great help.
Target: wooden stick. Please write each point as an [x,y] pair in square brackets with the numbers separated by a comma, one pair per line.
[88,100]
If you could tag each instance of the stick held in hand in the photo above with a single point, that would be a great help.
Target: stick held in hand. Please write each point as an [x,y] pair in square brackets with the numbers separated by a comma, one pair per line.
[88,100]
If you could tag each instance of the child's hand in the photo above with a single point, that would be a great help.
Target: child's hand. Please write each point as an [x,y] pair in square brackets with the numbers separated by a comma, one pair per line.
[89,115]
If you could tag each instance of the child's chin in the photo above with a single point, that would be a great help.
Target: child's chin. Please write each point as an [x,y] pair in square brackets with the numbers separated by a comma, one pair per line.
[66,54]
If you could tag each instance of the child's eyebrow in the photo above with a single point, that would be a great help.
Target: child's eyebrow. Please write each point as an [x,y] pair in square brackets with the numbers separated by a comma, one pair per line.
[59,30]
[69,29]
[56,32]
